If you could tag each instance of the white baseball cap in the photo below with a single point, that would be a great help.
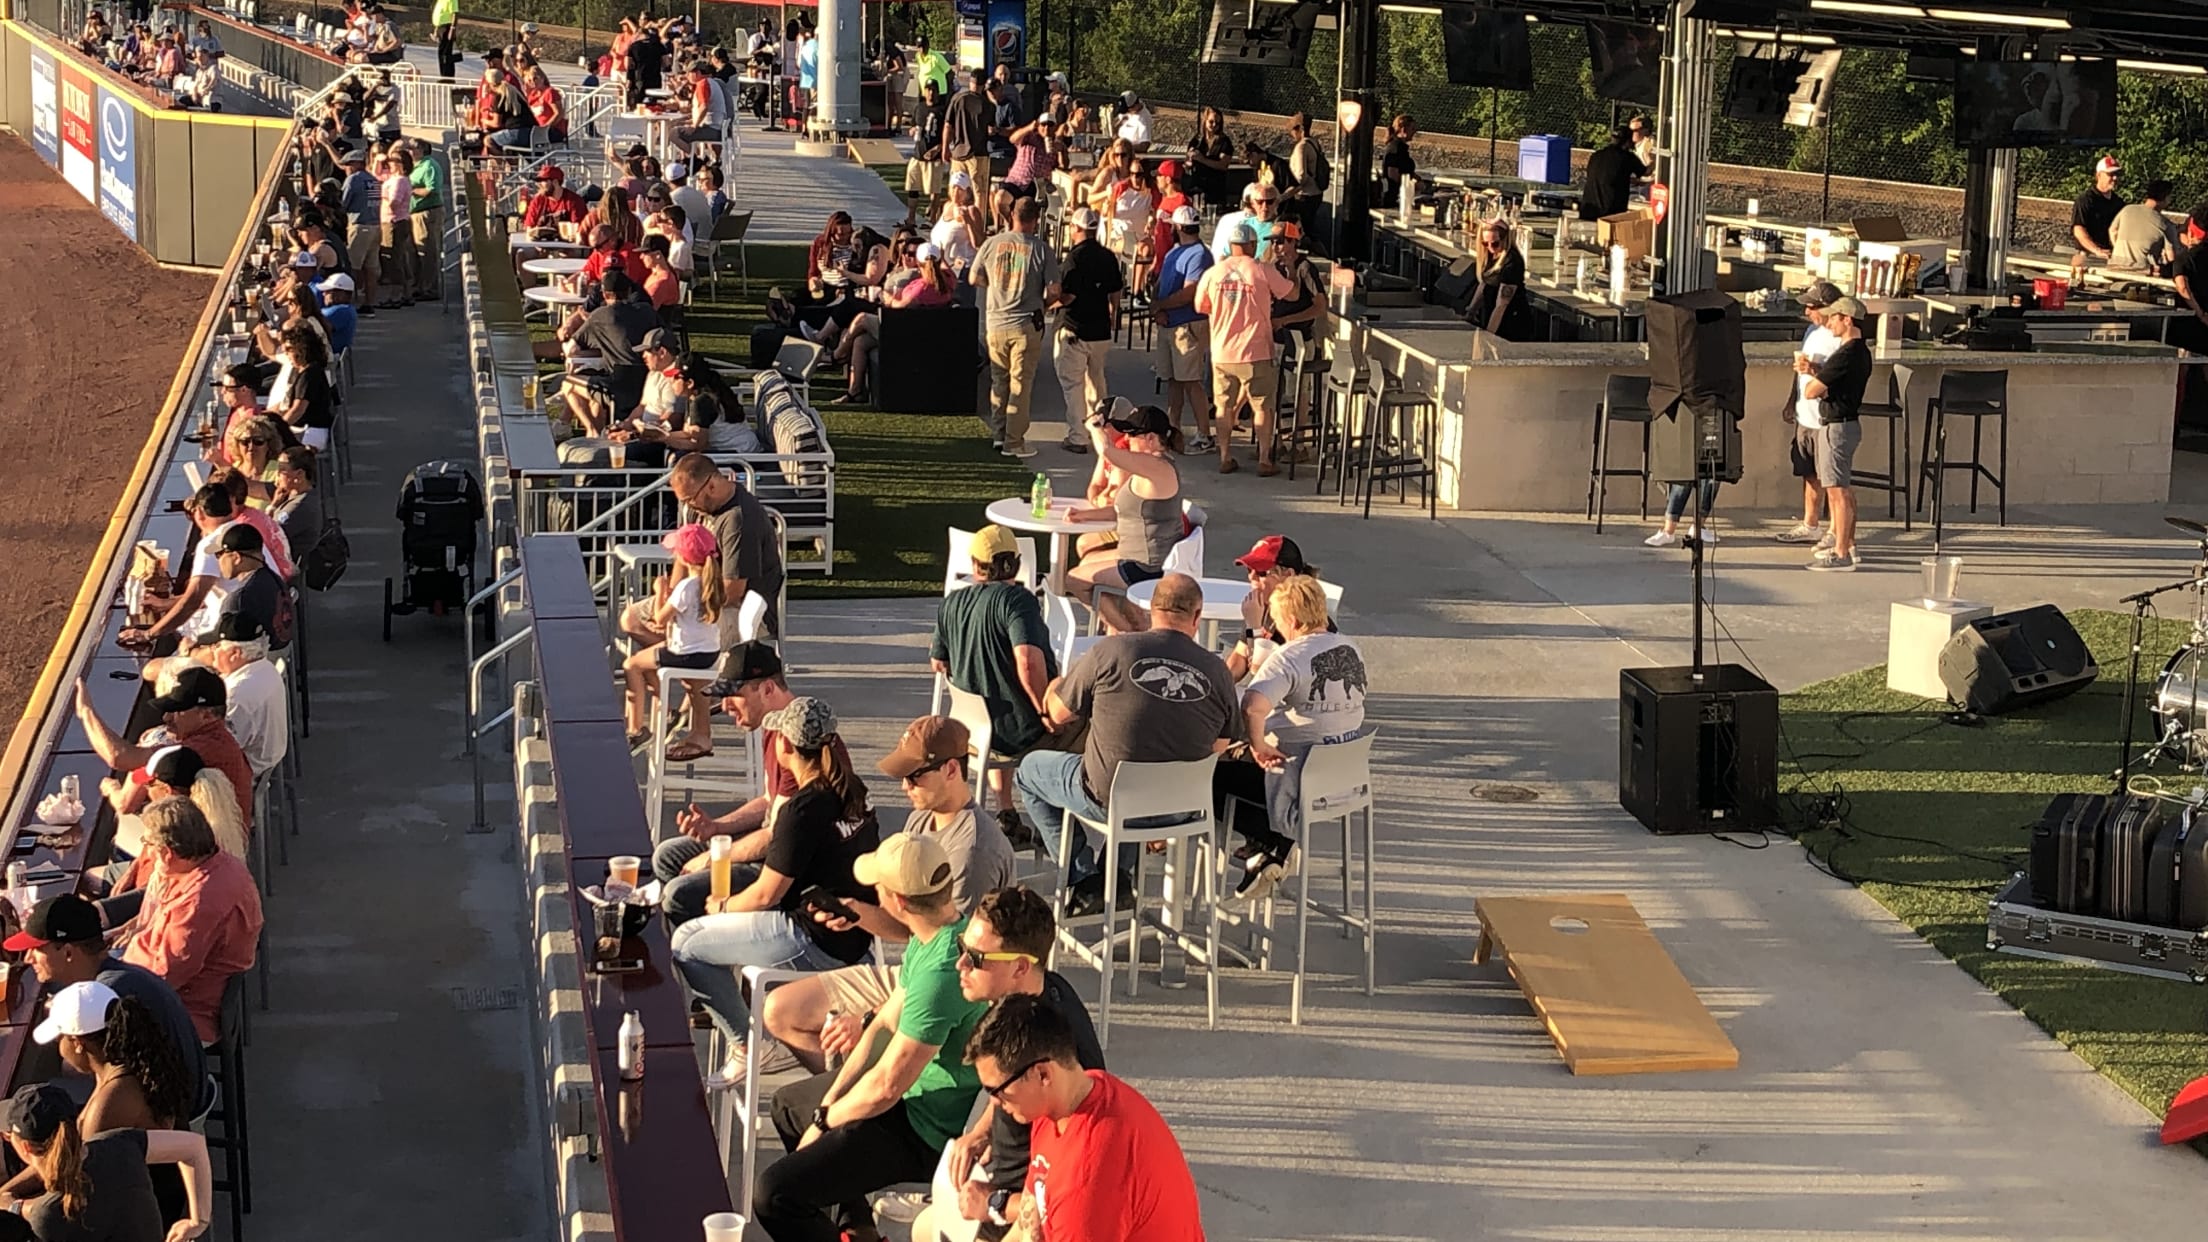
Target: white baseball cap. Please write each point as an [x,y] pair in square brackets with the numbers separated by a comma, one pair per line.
[79,1009]
[2109,164]
[962,178]
[1084,219]
[928,250]
[339,283]
[678,171]
[1184,216]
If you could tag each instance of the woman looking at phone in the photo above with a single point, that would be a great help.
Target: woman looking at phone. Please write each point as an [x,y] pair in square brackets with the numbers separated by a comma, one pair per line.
[815,836]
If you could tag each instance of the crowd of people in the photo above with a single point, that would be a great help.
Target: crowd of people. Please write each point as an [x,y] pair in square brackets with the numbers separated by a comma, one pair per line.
[179,65]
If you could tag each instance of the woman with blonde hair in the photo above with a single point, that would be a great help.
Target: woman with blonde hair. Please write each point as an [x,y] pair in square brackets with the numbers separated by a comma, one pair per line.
[617,211]
[179,772]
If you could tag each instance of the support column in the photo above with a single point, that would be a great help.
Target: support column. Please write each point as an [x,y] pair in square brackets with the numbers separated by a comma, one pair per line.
[1360,33]
[841,43]
[2000,218]
[1683,157]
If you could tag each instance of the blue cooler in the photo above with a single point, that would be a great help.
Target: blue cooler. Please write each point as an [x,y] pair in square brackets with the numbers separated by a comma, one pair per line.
[1545,158]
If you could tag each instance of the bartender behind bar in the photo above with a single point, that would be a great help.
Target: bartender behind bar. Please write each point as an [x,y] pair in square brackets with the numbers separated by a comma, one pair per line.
[2096,209]
[1610,173]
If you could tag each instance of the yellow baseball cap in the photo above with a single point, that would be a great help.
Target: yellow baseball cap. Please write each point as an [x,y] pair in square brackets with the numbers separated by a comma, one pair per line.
[991,542]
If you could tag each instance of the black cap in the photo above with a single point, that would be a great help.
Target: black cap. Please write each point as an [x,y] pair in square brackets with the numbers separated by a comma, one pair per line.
[67,919]
[36,1112]
[237,627]
[176,766]
[1820,294]
[195,687]
[244,538]
[748,663]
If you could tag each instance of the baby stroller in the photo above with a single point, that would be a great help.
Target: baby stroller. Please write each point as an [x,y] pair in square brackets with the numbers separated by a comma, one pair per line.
[440,505]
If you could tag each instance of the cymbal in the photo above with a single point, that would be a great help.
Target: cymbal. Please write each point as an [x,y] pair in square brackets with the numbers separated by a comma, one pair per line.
[2197,530]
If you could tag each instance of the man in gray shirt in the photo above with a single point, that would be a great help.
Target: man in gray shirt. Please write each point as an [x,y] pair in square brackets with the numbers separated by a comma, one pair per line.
[823,1015]
[2141,238]
[363,199]
[1152,697]
[1018,276]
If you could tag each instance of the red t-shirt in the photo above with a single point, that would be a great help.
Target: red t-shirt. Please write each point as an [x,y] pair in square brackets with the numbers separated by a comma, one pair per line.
[1161,226]
[1112,1172]
[563,204]
[594,268]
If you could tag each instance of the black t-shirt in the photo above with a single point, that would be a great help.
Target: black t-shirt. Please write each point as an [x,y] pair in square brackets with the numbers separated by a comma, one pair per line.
[2096,211]
[1008,1139]
[133,982]
[1090,278]
[812,843]
[966,126]
[1396,162]
[312,385]
[2191,264]
[1844,373]
[121,1206]
[258,597]
[646,55]
[1609,188]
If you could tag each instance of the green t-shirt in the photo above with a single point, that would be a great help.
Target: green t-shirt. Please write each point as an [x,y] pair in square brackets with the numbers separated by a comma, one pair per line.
[428,176]
[937,1013]
[976,631]
[932,67]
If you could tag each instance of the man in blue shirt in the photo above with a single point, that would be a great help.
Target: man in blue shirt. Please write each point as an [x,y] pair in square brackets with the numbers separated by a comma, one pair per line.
[362,199]
[1186,364]
[338,312]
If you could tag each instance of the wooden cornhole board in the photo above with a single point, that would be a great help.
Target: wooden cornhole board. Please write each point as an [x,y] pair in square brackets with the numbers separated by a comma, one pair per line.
[873,151]
[1609,994]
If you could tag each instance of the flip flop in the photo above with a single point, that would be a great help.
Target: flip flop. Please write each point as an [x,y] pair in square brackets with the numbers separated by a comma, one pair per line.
[688,752]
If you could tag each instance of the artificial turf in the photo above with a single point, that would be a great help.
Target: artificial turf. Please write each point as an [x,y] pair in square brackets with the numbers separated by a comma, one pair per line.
[1938,816]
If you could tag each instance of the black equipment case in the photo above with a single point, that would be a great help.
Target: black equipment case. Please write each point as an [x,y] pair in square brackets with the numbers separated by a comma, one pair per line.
[2015,924]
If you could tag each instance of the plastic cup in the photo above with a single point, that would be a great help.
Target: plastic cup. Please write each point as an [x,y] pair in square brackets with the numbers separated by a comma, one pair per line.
[1943,577]
[724,1227]
[617,455]
[622,869]
[721,853]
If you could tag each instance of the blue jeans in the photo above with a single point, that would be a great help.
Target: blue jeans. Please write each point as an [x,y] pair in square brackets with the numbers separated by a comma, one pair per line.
[709,952]
[1049,782]
[1676,508]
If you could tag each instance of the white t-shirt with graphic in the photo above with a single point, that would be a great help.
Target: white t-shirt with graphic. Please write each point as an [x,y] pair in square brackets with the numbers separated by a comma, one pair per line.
[1316,685]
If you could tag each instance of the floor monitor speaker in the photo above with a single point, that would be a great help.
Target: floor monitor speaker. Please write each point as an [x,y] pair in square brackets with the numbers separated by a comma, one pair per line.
[2018,659]
[1698,756]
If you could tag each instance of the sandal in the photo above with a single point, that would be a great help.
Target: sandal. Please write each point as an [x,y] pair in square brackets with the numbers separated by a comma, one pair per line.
[687,751]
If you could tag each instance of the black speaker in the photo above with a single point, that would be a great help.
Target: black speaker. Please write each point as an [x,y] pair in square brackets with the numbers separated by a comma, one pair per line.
[1698,757]
[2016,659]
[1811,105]
[1698,386]
[1487,48]
[1758,87]
[1270,36]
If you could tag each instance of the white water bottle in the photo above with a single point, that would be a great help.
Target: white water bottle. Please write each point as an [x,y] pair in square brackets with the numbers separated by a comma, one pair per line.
[631,1054]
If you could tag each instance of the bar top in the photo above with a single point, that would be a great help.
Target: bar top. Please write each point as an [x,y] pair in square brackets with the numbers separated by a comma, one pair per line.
[1443,345]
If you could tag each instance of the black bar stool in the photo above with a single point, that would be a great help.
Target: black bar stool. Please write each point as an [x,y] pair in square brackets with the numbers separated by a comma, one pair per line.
[1624,400]
[1894,480]
[226,1065]
[1339,391]
[1399,442]
[1977,396]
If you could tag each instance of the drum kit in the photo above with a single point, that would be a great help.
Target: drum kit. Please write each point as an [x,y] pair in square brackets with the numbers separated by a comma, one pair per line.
[2179,707]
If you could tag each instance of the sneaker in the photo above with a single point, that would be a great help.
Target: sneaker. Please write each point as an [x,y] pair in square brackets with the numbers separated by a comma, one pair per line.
[902,1206]
[1825,544]
[1708,537]
[1016,830]
[1266,871]
[1822,552]
[1801,532]
[1024,450]
[1075,442]
[1201,444]
[1086,898]
[1661,539]
[774,1059]
[1836,563]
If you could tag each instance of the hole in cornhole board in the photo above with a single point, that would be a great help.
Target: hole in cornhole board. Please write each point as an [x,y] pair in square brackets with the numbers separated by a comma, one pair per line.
[1568,925]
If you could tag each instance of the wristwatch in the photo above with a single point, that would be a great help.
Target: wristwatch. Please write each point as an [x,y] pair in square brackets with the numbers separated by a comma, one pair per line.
[820,1118]
[998,1201]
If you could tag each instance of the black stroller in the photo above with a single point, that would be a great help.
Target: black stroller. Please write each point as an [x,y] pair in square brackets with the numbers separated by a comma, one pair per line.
[440,505]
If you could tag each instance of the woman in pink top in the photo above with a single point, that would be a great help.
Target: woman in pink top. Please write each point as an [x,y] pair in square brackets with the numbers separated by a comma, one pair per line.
[398,227]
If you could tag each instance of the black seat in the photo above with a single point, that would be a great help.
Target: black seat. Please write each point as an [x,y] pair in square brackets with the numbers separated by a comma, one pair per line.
[1894,479]
[1624,400]
[226,1062]
[1977,396]
[1399,441]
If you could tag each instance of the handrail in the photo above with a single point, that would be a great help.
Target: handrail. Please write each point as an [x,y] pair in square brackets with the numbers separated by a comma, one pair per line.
[44,714]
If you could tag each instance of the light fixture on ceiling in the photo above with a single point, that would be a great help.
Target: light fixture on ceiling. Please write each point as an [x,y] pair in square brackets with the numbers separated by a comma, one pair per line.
[2161,66]
[1425,9]
[1989,18]
[1872,10]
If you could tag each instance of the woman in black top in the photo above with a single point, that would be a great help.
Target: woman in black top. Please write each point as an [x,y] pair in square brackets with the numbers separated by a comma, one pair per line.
[95,1188]
[1501,267]
[1396,164]
[1212,153]
[312,406]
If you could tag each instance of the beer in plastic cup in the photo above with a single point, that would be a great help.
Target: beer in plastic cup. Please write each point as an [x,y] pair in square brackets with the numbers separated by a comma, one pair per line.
[724,1227]
[617,455]
[722,851]
[621,870]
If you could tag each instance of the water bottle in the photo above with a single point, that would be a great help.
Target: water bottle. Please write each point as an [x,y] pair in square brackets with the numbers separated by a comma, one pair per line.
[631,1054]
[1039,496]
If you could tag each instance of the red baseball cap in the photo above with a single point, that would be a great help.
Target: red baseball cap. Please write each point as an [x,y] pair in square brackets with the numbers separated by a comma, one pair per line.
[551,172]
[1170,168]
[1271,552]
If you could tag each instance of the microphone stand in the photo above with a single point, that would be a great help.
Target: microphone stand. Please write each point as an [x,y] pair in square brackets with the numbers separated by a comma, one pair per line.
[2138,601]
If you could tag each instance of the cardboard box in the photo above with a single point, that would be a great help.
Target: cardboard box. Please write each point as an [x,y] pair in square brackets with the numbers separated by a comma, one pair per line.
[1634,230]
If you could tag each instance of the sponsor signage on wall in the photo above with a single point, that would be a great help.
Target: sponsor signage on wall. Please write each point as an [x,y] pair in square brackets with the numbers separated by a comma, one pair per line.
[45,108]
[80,150]
[118,196]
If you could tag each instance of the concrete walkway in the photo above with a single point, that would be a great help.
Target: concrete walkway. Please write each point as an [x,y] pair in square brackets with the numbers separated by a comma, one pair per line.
[1882,1092]
[390,1079]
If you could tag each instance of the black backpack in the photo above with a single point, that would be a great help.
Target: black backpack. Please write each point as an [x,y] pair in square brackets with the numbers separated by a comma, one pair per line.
[323,564]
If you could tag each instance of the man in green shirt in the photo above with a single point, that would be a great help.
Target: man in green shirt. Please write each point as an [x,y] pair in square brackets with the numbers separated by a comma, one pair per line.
[429,221]
[930,66]
[991,640]
[853,1131]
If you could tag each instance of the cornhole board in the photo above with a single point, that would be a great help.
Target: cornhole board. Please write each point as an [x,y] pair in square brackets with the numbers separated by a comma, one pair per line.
[875,151]
[1611,997]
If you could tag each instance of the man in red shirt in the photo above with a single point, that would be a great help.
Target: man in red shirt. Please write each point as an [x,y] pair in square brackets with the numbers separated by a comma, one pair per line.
[193,714]
[201,919]
[606,254]
[1171,197]
[1102,1166]
[553,204]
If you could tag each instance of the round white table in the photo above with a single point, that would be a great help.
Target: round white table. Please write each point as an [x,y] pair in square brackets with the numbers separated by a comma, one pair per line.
[1222,602]
[555,267]
[522,241]
[1017,513]
[551,298]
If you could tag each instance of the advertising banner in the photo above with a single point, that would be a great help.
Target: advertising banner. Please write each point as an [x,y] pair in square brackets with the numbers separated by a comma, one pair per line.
[45,108]
[80,150]
[119,162]
[1007,33]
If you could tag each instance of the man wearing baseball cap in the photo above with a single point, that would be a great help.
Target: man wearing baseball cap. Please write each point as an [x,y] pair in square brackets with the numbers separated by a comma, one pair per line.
[924,172]
[1237,295]
[1817,345]
[932,763]
[65,942]
[338,311]
[1088,305]
[241,555]
[1259,200]
[991,639]
[852,1131]
[362,198]
[1827,429]
[2095,210]
[1019,274]
[1185,361]
[193,715]
[554,206]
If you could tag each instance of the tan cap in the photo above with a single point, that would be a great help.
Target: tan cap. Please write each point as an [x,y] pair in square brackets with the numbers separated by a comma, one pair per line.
[907,865]
[930,741]
[991,542]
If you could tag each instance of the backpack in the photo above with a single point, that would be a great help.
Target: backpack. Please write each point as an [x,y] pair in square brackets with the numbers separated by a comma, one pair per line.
[1322,174]
[320,566]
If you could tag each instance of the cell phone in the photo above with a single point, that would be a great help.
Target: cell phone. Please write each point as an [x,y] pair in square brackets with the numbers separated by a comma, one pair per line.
[828,903]
[618,966]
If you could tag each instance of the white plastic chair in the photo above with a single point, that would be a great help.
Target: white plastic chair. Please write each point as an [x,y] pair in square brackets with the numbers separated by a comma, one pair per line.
[743,1126]
[958,558]
[1064,625]
[1187,556]
[971,710]
[748,617]
[1150,791]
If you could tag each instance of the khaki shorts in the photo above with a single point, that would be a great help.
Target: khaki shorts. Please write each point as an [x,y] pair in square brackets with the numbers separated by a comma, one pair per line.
[928,177]
[978,169]
[365,249]
[1187,353]
[860,989]
[1234,382]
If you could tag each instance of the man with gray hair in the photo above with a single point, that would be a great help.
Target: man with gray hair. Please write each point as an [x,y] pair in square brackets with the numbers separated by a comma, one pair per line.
[201,924]
[1088,308]
[256,712]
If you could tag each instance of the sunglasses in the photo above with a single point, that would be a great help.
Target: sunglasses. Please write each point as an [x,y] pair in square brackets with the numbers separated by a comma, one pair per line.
[997,1092]
[975,959]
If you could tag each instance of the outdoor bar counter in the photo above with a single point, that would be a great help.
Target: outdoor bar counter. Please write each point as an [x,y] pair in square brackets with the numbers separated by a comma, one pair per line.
[2090,423]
